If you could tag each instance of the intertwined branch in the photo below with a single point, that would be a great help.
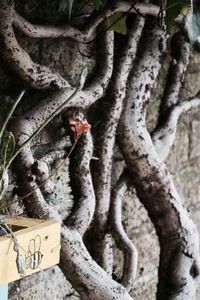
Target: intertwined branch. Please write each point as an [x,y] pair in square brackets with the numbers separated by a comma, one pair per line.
[125,80]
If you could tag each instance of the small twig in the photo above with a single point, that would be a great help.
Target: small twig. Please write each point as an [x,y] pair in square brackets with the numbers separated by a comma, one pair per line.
[123,242]
[180,51]
[11,113]
[161,14]
[52,174]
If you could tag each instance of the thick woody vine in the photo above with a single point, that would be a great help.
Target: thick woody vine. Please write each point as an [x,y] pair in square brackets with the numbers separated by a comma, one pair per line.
[123,81]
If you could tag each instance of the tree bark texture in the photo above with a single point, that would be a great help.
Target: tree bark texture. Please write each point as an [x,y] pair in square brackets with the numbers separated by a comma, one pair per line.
[105,111]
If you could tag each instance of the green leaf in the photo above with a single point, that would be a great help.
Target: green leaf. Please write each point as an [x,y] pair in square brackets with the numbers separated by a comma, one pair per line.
[185,9]
[117,22]
[174,8]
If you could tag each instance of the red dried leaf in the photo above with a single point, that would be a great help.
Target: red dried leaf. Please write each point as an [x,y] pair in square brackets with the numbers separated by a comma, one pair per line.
[78,127]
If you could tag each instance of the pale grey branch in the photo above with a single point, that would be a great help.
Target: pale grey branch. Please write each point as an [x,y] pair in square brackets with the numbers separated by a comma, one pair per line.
[178,236]
[105,144]
[123,242]
[35,75]
[48,31]
[163,138]
[82,186]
